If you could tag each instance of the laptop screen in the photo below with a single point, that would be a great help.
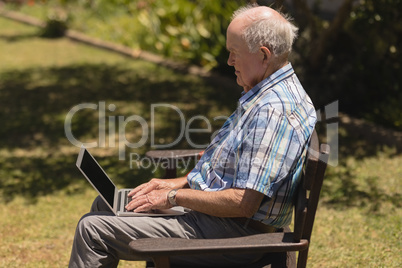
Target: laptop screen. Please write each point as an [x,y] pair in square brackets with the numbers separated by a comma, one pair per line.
[97,177]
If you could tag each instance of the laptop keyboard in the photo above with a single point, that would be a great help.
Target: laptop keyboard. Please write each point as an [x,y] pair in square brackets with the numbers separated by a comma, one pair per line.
[126,199]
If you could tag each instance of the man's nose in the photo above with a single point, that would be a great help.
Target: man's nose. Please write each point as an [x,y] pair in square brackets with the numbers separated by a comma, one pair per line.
[230,61]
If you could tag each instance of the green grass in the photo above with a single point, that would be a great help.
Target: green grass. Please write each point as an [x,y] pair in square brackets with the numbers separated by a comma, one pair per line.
[359,221]
[42,195]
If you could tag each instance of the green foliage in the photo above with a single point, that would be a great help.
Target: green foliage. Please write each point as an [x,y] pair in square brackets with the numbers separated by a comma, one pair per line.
[193,31]
[362,66]
[376,35]
[56,23]
[54,28]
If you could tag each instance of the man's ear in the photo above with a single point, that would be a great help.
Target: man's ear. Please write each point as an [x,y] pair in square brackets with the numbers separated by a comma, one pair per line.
[266,53]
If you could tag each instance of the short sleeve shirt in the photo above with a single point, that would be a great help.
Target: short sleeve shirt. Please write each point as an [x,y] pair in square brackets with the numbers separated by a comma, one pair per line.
[262,146]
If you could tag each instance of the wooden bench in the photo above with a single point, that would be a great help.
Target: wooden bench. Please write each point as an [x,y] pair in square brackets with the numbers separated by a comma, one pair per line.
[306,201]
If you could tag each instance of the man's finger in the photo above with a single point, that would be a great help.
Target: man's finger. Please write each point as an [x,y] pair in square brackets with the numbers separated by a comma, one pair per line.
[149,187]
[145,207]
[142,189]
[136,189]
[138,201]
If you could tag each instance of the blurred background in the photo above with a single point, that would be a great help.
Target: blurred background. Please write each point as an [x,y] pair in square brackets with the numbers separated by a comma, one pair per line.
[173,52]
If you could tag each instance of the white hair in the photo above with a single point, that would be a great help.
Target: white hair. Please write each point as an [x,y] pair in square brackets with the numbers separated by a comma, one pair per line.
[274,33]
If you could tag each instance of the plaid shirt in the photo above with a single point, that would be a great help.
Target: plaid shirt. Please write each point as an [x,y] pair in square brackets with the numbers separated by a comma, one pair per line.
[262,146]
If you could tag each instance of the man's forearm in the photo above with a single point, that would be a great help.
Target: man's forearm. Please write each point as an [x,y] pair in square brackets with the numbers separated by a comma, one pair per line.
[178,183]
[226,203]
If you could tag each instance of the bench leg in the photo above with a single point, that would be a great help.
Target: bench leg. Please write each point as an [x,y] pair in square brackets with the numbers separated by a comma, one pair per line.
[161,262]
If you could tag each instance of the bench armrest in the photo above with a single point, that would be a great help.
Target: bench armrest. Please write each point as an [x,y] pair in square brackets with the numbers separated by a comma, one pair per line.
[267,242]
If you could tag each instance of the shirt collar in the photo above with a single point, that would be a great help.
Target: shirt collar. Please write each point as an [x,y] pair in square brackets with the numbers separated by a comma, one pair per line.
[263,86]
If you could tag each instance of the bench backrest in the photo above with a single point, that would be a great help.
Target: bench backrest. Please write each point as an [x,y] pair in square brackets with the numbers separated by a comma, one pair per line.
[306,200]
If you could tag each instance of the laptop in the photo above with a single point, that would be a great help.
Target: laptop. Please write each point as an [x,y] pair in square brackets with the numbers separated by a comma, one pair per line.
[116,199]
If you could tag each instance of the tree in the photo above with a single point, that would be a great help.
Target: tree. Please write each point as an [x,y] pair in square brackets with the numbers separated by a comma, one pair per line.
[354,57]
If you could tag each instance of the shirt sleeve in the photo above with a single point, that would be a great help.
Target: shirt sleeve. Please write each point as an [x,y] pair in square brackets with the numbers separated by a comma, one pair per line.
[269,150]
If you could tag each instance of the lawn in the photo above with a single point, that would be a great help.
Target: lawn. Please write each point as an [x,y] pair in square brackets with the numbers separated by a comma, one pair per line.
[42,195]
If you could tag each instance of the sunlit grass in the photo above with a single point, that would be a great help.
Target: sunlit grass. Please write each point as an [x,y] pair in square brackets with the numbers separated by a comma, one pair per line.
[41,234]
[359,223]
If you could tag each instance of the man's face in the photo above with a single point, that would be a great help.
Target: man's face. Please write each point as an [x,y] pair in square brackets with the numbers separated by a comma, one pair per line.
[249,67]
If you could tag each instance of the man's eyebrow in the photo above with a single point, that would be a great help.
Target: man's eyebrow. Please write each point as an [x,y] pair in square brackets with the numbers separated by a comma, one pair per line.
[229,49]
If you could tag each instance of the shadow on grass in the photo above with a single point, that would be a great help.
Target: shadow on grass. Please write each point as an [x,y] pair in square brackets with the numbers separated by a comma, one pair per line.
[34,104]
[16,38]
[36,101]
[341,190]
[347,184]
[31,177]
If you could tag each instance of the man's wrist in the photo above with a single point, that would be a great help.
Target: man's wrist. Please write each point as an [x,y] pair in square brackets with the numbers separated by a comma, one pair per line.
[171,197]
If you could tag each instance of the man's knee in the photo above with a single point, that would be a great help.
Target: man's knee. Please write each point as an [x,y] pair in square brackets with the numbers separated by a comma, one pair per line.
[99,205]
[90,226]
[89,248]
[85,224]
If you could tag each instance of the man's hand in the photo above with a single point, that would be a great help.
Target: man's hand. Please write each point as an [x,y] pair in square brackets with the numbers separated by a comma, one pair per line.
[145,188]
[154,199]
[153,194]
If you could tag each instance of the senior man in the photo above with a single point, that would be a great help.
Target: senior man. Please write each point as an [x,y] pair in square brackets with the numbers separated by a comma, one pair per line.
[244,182]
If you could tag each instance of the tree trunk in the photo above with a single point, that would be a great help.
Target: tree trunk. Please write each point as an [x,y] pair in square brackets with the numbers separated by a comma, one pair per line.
[329,36]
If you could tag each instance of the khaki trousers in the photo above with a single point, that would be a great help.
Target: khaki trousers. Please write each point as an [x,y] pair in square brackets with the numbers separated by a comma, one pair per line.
[101,238]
